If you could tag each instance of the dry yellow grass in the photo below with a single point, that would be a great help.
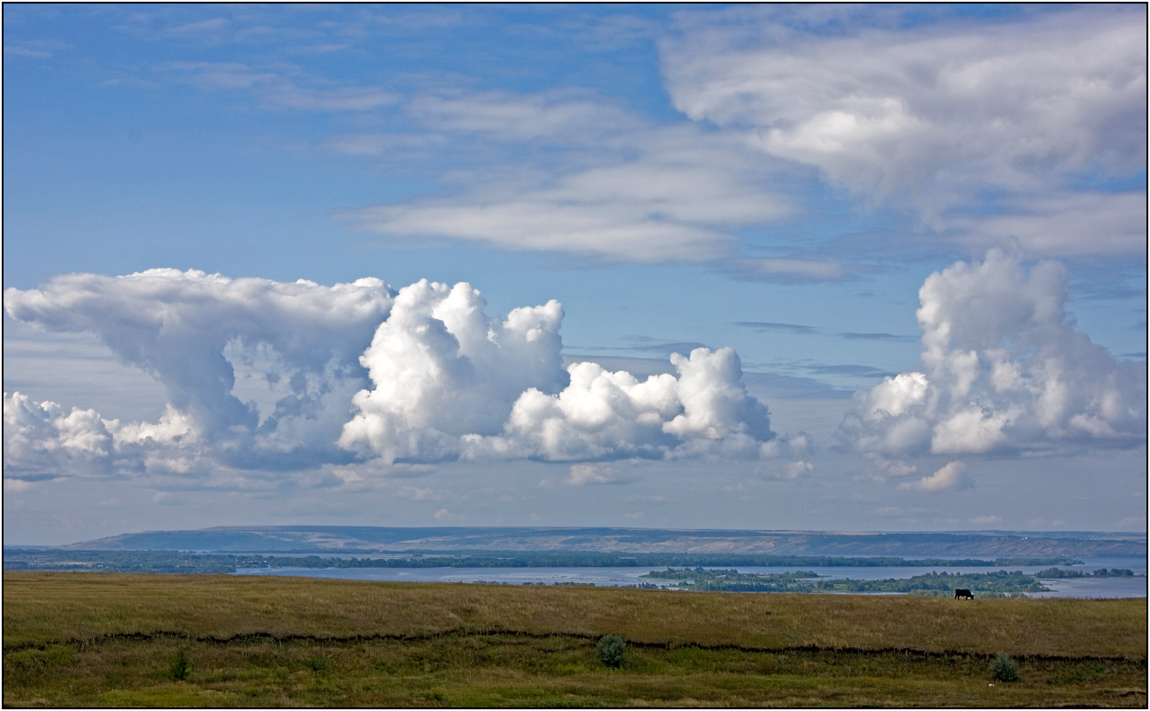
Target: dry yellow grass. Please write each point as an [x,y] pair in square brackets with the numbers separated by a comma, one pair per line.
[82,639]
[42,607]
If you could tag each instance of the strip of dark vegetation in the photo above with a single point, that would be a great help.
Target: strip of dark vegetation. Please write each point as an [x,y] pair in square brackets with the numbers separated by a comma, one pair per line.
[185,562]
[999,583]
[105,640]
[259,637]
[549,671]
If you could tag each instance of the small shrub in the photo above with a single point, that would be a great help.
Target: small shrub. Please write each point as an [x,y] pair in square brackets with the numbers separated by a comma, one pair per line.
[318,665]
[34,662]
[611,650]
[179,667]
[1004,667]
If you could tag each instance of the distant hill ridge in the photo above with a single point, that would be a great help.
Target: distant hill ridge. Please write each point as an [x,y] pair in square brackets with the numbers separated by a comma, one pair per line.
[371,539]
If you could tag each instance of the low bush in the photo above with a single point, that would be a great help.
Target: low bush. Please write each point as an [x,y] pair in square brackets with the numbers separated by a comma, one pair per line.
[611,650]
[178,669]
[1004,667]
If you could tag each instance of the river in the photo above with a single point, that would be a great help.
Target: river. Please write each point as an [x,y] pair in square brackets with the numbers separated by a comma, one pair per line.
[1102,587]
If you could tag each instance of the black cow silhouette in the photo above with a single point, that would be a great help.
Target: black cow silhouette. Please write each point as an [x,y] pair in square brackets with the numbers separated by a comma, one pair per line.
[963,592]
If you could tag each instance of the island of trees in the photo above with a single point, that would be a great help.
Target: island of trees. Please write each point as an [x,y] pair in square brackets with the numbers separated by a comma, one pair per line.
[998,583]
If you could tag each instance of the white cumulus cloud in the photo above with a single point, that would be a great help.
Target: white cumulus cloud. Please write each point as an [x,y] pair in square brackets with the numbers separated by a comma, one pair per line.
[355,380]
[441,369]
[191,330]
[598,473]
[705,411]
[1004,368]
[42,438]
[948,478]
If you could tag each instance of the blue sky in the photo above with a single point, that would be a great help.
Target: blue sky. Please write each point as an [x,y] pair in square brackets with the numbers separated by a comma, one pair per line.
[899,250]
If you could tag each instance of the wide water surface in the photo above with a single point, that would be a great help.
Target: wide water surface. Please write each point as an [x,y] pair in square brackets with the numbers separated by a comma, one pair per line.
[631,576]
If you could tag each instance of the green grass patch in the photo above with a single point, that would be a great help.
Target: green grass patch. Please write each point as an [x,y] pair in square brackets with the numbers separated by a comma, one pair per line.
[117,640]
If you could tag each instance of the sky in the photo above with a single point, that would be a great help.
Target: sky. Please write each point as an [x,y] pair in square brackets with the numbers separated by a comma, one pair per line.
[816,267]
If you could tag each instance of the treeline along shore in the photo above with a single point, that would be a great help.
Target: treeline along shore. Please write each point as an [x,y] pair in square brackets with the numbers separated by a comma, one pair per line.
[186,562]
[999,583]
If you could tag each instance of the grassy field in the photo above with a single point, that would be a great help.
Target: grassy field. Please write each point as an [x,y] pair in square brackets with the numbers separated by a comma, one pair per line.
[77,639]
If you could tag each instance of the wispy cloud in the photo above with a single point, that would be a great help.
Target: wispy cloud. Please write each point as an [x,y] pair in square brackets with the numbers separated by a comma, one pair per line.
[280,86]
[784,270]
[938,117]
[850,336]
[35,49]
[652,345]
[212,24]
[797,387]
[414,493]
[613,229]
[862,371]
[562,117]
[794,329]
[584,474]
[637,193]
[1064,224]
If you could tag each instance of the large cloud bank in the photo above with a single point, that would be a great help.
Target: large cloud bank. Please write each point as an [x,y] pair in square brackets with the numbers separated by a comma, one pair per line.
[441,369]
[357,372]
[1030,107]
[1033,117]
[1004,369]
[182,327]
[704,411]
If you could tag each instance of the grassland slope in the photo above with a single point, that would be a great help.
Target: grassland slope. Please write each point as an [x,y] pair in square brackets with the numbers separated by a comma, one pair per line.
[42,607]
[91,639]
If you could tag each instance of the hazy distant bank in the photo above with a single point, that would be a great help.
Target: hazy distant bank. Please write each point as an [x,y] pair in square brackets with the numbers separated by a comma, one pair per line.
[366,539]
